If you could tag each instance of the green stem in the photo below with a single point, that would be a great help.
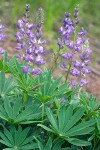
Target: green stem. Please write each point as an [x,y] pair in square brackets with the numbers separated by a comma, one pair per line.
[56,139]
[25,96]
[55,61]
[42,111]
[58,108]
[66,78]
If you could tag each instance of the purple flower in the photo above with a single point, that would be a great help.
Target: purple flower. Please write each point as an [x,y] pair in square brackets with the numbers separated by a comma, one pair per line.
[86,71]
[19,37]
[77,48]
[61,30]
[75,72]
[79,41]
[36,71]
[26,58]
[27,7]
[71,45]
[77,64]
[63,100]
[83,82]
[41,50]
[18,55]
[67,55]
[39,60]
[31,59]
[60,43]
[1,51]
[20,24]
[2,37]
[82,32]
[25,69]
[86,62]
[29,26]
[73,82]
[1,27]
[63,65]
[30,50]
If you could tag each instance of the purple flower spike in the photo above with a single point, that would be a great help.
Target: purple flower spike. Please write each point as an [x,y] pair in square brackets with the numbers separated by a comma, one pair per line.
[77,45]
[25,69]
[2,37]
[29,41]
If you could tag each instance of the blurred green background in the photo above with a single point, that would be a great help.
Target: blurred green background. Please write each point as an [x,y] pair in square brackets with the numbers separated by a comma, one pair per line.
[12,10]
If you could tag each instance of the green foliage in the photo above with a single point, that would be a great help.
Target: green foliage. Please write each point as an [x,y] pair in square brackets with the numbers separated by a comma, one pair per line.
[3,63]
[14,113]
[66,127]
[91,106]
[17,139]
[25,103]
[33,115]
[6,85]
[50,88]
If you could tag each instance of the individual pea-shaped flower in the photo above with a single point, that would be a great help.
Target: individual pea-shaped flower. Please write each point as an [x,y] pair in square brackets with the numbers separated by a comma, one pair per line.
[73,82]
[86,71]
[83,82]
[67,55]
[77,64]
[1,51]
[39,60]
[36,71]
[75,72]
[25,69]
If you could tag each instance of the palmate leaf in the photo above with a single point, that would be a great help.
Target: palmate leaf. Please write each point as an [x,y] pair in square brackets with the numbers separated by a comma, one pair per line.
[67,126]
[25,82]
[13,113]
[6,85]
[50,87]
[19,139]
[56,145]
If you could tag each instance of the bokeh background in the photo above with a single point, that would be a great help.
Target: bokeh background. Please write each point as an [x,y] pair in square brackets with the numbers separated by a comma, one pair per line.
[12,10]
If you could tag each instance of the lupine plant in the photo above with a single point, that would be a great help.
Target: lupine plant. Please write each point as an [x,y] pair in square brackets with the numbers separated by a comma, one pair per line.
[38,112]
